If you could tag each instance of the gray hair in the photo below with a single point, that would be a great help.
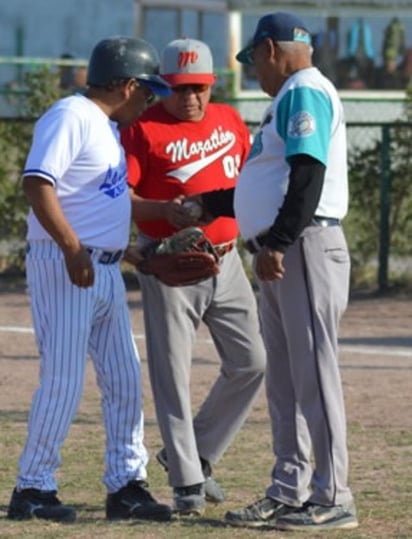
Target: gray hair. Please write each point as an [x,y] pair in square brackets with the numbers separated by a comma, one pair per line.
[294,46]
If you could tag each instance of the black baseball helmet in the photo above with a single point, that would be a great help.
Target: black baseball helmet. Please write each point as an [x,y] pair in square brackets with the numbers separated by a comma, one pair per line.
[118,58]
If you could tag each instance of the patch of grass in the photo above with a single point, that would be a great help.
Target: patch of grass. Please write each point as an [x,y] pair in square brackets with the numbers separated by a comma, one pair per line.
[381,490]
[379,438]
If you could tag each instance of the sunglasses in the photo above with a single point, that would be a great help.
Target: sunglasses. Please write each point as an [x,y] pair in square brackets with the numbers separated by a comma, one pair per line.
[149,95]
[195,88]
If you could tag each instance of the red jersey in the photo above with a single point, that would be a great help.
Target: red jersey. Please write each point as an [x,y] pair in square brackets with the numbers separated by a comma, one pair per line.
[167,157]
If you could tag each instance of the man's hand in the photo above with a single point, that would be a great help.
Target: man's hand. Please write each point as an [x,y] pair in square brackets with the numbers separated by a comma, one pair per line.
[177,215]
[132,255]
[79,267]
[269,264]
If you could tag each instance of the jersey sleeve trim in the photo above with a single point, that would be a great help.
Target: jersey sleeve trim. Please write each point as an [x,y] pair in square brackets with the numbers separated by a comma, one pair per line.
[40,174]
[304,119]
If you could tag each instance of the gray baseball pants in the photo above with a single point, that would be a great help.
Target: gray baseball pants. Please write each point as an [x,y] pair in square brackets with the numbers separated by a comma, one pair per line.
[300,319]
[227,305]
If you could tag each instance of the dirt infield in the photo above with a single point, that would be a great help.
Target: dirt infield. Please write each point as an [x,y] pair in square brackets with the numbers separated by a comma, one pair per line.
[376,364]
[375,339]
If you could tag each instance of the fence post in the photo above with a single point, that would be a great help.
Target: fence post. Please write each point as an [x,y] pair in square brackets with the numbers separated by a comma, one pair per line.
[384,232]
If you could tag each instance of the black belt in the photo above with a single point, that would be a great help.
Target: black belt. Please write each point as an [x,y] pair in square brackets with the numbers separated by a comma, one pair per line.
[255,244]
[107,257]
[324,221]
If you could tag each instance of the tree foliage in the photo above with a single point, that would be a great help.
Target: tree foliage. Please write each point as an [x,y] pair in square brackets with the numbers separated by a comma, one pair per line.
[41,89]
[365,175]
[366,169]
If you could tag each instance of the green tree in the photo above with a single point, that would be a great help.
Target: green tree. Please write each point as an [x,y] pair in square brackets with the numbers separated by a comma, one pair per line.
[365,173]
[41,89]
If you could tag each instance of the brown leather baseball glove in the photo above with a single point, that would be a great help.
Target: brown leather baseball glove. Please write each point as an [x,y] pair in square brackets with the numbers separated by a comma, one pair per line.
[185,258]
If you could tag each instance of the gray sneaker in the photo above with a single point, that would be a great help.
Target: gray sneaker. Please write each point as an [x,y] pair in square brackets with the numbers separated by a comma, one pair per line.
[213,491]
[312,517]
[260,514]
[189,500]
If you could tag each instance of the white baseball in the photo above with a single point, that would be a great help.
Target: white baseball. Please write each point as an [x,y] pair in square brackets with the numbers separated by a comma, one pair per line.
[193,209]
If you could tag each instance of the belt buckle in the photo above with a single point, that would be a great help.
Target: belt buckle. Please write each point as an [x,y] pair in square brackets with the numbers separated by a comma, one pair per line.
[106,257]
[224,248]
[110,258]
[325,222]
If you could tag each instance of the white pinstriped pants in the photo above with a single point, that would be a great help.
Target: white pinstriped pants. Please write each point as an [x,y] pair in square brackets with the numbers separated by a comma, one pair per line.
[70,323]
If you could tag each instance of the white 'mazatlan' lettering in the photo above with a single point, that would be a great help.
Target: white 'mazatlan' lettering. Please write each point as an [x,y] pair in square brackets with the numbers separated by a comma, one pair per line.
[181,150]
[207,151]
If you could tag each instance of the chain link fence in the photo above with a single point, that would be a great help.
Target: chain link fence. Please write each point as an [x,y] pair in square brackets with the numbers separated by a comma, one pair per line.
[378,223]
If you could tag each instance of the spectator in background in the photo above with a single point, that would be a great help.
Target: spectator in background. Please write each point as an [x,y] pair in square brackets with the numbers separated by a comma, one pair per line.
[72,78]
[66,72]
[393,47]
[406,67]
[80,79]
[360,53]
[396,63]
[325,49]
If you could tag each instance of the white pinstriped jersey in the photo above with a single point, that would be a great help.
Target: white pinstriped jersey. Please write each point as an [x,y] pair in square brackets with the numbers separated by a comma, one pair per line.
[306,117]
[76,148]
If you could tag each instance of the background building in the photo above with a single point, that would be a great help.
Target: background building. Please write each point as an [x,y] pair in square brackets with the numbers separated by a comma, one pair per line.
[365,46]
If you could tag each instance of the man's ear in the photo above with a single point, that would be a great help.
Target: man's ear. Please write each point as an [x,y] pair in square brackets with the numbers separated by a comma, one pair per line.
[270,47]
[128,87]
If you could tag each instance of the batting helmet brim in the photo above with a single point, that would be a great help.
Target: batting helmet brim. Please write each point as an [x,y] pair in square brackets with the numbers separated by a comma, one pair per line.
[156,84]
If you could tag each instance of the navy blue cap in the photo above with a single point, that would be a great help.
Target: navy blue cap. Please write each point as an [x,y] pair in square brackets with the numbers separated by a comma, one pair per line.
[279,27]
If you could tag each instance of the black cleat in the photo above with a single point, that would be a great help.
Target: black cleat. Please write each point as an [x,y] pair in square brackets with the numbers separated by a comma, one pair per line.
[135,501]
[33,503]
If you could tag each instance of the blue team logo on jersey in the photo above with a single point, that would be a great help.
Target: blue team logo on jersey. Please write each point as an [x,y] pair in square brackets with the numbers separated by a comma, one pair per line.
[115,182]
[301,124]
[257,146]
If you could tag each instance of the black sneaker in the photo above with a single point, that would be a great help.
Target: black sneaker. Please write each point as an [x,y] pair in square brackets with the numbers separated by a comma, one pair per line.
[263,513]
[312,517]
[213,491]
[33,503]
[135,501]
[189,500]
